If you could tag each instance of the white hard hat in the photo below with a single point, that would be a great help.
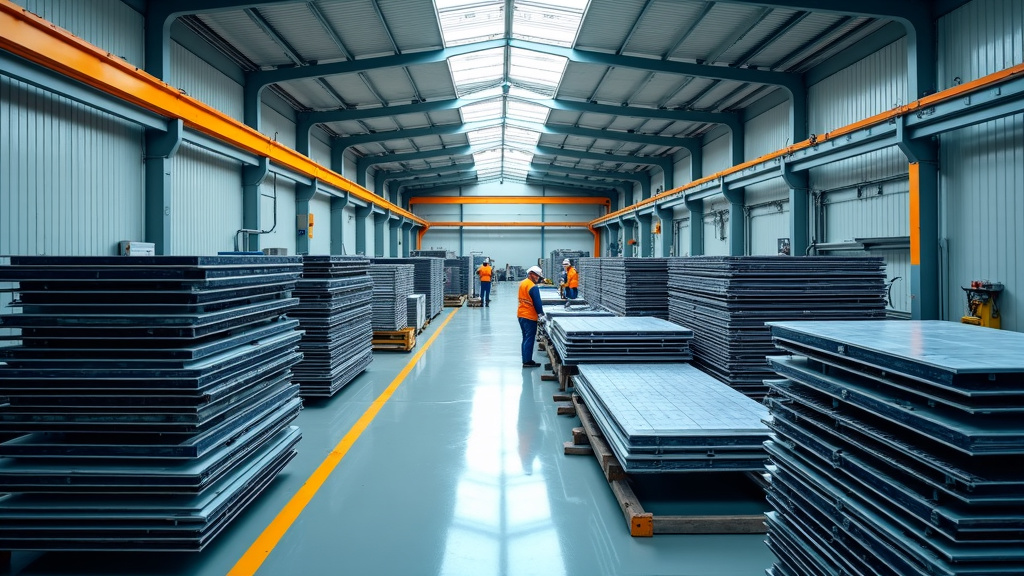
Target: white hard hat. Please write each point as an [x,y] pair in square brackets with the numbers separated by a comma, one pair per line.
[535,270]
[486,261]
[566,262]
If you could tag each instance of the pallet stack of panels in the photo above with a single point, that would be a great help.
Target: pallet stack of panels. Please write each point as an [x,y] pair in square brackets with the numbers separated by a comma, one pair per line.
[590,280]
[417,310]
[335,307]
[635,286]
[673,418]
[726,301]
[428,279]
[457,276]
[152,397]
[897,449]
[614,339]
[392,285]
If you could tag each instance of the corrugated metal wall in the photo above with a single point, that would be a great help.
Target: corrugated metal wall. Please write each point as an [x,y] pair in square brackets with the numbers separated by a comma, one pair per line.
[767,132]
[320,207]
[681,171]
[109,24]
[982,167]
[206,202]
[717,155]
[767,223]
[716,228]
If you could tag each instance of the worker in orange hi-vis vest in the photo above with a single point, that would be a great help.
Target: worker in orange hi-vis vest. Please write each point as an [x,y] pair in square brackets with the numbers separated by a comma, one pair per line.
[530,310]
[485,271]
[572,281]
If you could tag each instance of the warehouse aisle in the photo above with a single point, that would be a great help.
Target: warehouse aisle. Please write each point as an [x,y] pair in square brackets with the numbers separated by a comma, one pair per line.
[461,472]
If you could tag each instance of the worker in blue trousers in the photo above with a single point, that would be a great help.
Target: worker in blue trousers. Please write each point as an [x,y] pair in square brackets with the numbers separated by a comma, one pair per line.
[529,312]
[572,281]
[485,271]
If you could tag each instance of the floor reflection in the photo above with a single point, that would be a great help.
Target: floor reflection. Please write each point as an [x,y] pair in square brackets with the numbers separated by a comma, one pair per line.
[502,522]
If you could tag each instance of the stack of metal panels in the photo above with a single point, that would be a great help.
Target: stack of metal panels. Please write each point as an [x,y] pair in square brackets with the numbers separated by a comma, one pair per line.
[392,285]
[428,279]
[553,266]
[635,286]
[898,449]
[152,397]
[615,339]
[673,417]
[437,253]
[335,296]
[549,295]
[574,311]
[417,310]
[590,280]
[457,276]
[726,300]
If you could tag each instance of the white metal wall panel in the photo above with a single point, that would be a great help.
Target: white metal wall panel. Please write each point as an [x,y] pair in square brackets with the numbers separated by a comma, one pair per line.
[206,201]
[348,230]
[848,217]
[320,207]
[765,226]
[441,239]
[319,151]
[897,273]
[873,85]
[283,234]
[108,24]
[983,166]
[767,132]
[204,82]
[277,127]
[717,155]
[681,171]
[716,229]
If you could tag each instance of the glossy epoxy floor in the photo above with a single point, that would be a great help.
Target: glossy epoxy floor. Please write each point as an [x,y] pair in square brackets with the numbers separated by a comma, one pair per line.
[460,473]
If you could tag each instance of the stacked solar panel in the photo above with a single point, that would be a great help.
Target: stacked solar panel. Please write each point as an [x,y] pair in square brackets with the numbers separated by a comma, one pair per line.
[428,279]
[334,311]
[392,285]
[590,339]
[635,286]
[726,301]
[897,449]
[151,396]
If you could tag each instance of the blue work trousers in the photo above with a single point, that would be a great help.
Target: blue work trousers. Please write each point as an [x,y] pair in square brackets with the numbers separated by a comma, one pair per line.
[572,293]
[529,328]
[485,293]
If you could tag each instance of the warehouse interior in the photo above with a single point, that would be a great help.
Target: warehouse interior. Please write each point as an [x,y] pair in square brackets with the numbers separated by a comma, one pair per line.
[280,210]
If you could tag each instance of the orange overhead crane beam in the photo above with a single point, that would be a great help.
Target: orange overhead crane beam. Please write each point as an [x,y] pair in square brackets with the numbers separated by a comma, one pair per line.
[878,119]
[43,43]
[510,200]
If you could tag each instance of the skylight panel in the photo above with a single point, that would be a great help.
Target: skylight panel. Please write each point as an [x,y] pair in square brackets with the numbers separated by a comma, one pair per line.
[517,163]
[553,22]
[527,111]
[540,72]
[467,21]
[476,70]
[485,137]
[489,110]
[520,136]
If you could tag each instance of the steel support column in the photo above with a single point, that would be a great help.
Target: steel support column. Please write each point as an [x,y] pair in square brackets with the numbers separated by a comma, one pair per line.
[252,178]
[379,219]
[362,213]
[799,209]
[696,208]
[646,239]
[303,194]
[923,169]
[160,149]
[737,223]
[668,240]
[407,227]
[338,204]
[394,227]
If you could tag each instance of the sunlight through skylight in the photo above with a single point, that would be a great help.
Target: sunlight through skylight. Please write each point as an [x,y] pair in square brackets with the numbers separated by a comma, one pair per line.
[548,22]
[467,21]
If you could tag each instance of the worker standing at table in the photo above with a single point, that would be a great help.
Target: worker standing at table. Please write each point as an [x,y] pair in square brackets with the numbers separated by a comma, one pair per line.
[484,272]
[530,310]
[572,281]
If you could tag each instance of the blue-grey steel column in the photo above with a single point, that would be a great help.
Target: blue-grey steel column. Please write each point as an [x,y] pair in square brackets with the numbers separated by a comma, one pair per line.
[362,213]
[923,172]
[799,209]
[378,232]
[646,234]
[338,204]
[303,194]
[737,219]
[160,149]
[612,229]
[668,240]
[252,178]
[407,226]
[696,208]
[394,226]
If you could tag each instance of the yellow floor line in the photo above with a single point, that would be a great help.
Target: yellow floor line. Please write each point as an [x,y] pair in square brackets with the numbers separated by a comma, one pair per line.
[253,558]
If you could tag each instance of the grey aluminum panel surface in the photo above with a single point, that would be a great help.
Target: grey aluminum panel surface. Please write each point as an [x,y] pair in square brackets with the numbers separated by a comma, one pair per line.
[932,350]
[653,402]
[620,325]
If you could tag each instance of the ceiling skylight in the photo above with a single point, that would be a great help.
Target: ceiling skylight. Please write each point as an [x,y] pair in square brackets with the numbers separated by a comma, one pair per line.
[505,151]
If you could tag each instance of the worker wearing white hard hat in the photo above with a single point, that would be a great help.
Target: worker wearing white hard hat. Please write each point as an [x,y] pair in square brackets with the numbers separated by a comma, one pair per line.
[529,311]
[572,281]
[485,271]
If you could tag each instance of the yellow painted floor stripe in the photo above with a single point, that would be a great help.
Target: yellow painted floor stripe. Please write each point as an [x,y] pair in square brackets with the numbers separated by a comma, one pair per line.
[253,558]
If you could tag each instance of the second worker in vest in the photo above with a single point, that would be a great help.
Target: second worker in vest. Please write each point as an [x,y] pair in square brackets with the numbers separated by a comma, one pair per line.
[572,282]
[485,271]
[530,310]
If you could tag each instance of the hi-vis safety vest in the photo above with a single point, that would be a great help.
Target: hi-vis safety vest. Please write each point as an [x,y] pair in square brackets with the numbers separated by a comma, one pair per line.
[526,309]
[485,273]
[572,278]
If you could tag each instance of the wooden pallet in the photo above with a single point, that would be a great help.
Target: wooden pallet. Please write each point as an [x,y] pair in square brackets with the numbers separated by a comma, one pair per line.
[475,303]
[454,301]
[403,340]
[588,439]
[562,374]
